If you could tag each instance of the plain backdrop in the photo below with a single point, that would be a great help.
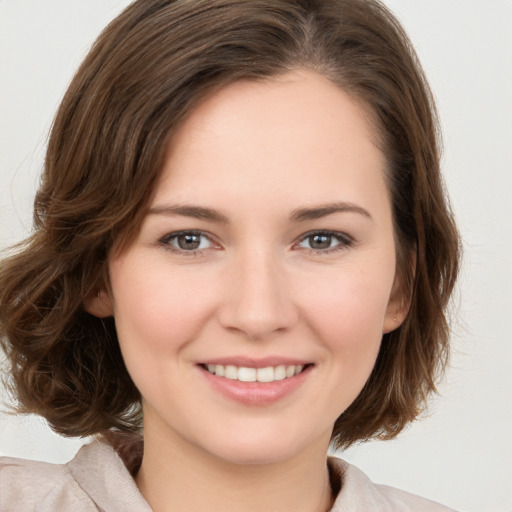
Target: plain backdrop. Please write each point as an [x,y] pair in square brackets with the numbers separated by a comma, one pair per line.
[461,453]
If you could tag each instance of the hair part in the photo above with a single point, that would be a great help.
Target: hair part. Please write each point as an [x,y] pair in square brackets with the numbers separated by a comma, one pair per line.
[146,72]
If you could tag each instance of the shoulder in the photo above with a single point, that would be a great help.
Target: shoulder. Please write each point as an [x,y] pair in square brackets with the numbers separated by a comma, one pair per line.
[27,485]
[96,479]
[358,492]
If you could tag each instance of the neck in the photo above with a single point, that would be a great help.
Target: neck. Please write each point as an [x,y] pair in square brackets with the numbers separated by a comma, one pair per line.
[176,476]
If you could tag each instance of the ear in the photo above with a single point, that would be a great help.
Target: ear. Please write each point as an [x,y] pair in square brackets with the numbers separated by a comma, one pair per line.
[402,291]
[99,304]
[398,307]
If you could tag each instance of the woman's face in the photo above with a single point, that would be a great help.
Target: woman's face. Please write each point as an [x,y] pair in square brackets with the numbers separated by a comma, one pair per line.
[251,306]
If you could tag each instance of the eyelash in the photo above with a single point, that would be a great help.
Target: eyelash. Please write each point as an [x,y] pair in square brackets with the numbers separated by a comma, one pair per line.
[344,242]
[167,239]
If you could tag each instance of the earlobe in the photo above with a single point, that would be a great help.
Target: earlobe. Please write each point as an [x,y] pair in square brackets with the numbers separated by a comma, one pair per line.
[99,305]
[397,309]
[401,294]
[396,312]
[394,320]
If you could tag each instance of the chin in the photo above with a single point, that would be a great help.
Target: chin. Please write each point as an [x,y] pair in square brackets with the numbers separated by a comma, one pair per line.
[256,455]
[260,446]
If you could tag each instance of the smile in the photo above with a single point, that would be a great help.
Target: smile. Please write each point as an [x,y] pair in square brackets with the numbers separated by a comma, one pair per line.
[256,383]
[248,374]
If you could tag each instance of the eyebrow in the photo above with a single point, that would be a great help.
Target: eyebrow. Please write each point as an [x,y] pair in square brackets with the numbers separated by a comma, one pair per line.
[298,215]
[317,212]
[196,212]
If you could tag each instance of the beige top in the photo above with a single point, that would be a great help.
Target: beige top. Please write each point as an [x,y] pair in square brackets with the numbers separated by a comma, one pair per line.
[98,480]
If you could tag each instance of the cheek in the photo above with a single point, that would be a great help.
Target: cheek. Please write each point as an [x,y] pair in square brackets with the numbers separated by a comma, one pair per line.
[348,312]
[156,309]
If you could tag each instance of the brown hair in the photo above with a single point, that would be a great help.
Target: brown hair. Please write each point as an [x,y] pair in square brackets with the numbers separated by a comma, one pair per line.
[144,74]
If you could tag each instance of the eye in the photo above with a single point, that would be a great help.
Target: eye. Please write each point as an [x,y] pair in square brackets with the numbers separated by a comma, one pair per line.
[187,241]
[325,241]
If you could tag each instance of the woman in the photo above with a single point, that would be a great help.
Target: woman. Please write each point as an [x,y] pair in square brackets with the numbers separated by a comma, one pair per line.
[242,251]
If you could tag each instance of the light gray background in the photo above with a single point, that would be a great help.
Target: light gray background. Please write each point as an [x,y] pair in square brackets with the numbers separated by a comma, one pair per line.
[461,454]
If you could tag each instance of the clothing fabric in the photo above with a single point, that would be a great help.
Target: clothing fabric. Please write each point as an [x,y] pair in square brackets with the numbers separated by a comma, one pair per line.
[97,479]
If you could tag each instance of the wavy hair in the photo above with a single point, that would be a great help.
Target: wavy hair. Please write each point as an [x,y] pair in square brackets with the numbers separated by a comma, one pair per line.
[142,77]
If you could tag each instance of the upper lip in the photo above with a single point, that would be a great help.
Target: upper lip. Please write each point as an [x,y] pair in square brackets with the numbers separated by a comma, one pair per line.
[250,362]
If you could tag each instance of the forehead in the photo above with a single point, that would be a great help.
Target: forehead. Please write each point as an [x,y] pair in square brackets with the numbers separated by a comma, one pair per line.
[297,132]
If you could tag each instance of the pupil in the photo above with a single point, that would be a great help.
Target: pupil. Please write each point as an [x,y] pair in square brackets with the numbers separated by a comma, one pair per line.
[189,242]
[320,241]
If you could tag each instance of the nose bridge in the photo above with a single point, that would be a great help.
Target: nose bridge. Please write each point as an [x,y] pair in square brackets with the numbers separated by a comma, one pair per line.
[257,301]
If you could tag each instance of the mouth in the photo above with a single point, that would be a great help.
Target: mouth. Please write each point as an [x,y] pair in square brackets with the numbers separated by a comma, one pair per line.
[267,374]
[256,382]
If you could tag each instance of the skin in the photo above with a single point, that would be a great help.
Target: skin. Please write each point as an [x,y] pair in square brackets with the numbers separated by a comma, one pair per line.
[258,286]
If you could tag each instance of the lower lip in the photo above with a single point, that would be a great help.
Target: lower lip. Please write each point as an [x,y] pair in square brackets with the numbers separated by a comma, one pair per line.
[256,393]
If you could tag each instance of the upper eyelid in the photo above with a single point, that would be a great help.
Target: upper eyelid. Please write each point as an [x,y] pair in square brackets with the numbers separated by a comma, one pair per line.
[329,232]
[174,234]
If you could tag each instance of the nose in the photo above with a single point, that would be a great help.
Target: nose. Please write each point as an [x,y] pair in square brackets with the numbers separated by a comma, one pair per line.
[257,301]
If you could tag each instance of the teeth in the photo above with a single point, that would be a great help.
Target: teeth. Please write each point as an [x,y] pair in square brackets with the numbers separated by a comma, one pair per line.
[280,372]
[231,372]
[265,374]
[245,374]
